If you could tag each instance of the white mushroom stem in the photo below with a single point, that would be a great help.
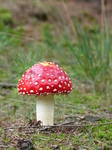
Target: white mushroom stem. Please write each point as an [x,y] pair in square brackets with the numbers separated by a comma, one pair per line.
[45,109]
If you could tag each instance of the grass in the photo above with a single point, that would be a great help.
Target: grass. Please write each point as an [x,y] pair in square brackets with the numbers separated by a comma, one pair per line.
[87,50]
[85,67]
[89,56]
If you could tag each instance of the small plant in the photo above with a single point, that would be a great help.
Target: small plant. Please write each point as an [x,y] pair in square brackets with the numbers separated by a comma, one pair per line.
[88,54]
[6,16]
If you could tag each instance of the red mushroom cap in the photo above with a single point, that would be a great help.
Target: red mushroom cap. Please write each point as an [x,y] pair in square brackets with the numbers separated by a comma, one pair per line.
[43,79]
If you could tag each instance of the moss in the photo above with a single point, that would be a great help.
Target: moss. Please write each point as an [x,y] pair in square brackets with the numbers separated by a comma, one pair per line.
[89,16]
[90,29]
[6,16]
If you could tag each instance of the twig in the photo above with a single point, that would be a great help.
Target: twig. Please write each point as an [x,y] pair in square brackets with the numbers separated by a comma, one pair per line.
[68,16]
[3,146]
[20,37]
[67,123]
[7,85]
[75,125]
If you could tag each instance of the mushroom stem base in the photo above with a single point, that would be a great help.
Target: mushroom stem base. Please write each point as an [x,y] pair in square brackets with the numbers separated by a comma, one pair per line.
[45,109]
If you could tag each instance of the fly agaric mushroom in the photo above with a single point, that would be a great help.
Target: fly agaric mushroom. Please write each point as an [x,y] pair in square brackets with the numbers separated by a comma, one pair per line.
[44,80]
